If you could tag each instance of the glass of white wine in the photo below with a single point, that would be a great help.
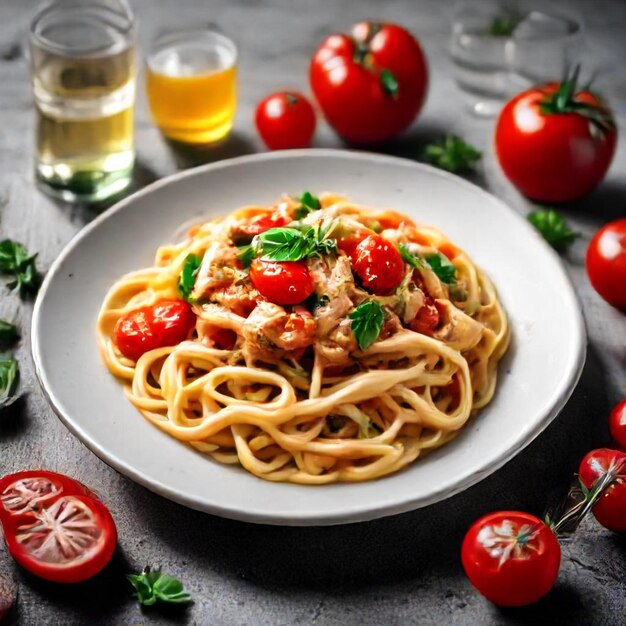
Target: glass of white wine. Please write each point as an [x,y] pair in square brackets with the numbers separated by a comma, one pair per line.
[83,74]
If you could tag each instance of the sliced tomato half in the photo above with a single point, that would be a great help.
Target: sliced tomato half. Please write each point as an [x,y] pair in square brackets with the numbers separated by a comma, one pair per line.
[55,527]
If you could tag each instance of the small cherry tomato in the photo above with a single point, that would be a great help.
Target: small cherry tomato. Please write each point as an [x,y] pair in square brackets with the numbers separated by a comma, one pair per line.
[512,558]
[555,149]
[285,120]
[606,263]
[286,282]
[244,231]
[165,323]
[54,526]
[610,510]
[427,318]
[617,424]
[378,264]
[370,84]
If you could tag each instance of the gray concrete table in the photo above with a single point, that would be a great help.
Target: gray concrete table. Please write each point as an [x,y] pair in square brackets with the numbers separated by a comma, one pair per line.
[399,570]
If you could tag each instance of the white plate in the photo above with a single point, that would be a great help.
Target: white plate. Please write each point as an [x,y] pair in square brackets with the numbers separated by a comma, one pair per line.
[536,377]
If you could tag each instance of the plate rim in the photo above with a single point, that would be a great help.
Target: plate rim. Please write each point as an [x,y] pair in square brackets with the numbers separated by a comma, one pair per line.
[319,518]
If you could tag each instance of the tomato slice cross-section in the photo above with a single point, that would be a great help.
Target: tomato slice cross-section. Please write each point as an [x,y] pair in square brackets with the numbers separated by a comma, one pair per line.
[28,493]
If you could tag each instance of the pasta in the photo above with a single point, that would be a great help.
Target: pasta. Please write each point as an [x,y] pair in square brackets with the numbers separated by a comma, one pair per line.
[350,384]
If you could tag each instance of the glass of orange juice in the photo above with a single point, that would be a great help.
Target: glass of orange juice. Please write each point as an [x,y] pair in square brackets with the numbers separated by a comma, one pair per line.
[191,80]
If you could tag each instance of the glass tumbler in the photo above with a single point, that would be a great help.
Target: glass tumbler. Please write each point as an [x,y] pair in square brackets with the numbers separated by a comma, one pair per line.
[191,80]
[83,77]
[498,52]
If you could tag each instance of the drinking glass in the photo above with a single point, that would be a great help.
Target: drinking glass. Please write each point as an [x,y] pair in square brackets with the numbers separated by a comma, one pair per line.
[83,78]
[498,52]
[191,81]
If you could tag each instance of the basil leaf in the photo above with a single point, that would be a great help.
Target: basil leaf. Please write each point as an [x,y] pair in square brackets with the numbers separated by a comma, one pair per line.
[308,203]
[409,257]
[294,244]
[16,263]
[452,154]
[367,321]
[9,379]
[553,228]
[187,278]
[151,586]
[9,334]
[440,264]
[246,256]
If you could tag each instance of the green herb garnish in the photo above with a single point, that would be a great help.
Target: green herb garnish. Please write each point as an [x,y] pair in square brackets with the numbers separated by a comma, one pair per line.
[367,321]
[9,334]
[505,23]
[409,257]
[187,278]
[9,379]
[246,256]
[308,203]
[152,586]
[17,263]
[440,264]
[294,244]
[553,228]
[452,154]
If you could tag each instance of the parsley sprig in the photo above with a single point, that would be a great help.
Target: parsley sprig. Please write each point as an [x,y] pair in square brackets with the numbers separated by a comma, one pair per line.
[152,586]
[438,263]
[452,154]
[553,228]
[20,266]
[290,244]
[308,203]
[367,322]
[503,24]
[9,379]
[187,278]
[9,334]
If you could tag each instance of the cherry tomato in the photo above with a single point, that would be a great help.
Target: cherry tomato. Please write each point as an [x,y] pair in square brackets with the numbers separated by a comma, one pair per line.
[165,323]
[370,84]
[285,120]
[255,225]
[512,558]
[557,156]
[617,424]
[427,318]
[378,264]
[54,526]
[606,263]
[287,282]
[610,510]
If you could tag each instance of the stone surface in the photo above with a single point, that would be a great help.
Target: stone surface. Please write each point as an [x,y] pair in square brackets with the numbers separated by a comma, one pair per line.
[399,570]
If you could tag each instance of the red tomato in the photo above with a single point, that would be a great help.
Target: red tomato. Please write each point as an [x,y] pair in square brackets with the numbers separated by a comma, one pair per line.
[287,282]
[617,424]
[610,510]
[606,263]
[512,558]
[165,323]
[54,526]
[258,224]
[558,156]
[285,120]
[378,264]
[427,318]
[370,84]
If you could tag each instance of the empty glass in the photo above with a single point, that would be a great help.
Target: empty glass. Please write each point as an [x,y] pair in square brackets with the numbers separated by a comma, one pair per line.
[498,52]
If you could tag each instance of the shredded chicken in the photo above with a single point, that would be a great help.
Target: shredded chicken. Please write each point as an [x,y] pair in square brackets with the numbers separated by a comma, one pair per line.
[459,330]
[271,332]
